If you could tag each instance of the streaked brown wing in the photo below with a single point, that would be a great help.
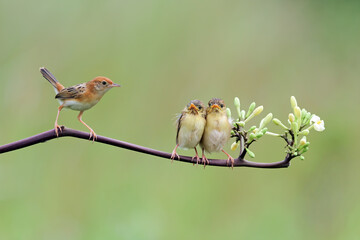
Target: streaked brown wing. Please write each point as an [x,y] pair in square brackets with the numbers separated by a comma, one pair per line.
[71,92]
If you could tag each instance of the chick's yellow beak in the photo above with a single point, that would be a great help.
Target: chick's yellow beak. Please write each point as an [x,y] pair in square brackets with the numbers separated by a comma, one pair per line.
[215,106]
[193,107]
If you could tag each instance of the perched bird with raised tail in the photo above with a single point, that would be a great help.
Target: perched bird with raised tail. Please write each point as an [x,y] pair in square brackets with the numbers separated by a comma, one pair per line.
[80,97]
[217,130]
[190,128]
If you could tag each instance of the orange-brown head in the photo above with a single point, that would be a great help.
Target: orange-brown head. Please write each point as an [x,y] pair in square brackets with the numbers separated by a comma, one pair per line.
[101,84]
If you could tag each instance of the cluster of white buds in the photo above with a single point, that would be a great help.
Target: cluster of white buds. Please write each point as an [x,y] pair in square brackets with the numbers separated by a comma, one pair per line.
[300,122]
[243,117]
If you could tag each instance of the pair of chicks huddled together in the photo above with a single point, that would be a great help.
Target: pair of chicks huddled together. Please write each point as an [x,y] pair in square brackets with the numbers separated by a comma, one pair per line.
[210,127]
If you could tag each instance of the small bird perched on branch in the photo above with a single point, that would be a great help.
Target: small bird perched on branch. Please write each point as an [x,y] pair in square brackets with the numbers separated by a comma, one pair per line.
[80,97]
[190,128]
[217,129]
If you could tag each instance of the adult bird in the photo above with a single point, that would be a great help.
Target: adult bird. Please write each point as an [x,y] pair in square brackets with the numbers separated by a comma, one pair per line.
[80,97]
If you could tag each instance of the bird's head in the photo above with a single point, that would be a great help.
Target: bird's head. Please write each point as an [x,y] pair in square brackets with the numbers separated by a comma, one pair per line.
[103,84]
[216,105]
[195,107]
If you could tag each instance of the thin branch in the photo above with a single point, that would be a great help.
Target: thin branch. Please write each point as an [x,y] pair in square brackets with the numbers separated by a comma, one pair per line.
[67,132]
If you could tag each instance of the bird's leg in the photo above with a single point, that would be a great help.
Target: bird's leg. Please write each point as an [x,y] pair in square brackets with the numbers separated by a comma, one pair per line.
[174,153]
[92,133]
[204,159]
[56,121]
[229,159]
[196,156]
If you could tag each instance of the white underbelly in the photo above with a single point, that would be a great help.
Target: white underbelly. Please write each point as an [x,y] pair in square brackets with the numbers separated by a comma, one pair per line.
[77,106]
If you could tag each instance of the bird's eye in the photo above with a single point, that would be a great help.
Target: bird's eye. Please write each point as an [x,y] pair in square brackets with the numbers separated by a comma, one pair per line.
[200,107]
[221,105]
[104,82]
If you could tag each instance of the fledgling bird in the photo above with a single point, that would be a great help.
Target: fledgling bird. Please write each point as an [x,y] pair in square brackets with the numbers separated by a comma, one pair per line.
[80,97]
[190,128]
[217,130]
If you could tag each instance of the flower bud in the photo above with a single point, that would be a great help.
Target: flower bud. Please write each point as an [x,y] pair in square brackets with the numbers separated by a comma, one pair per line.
[242,114]
[237,106]
[251,137]
[264,130]
[237,102]
[265,120]
[293,102]
[251,154]
[241,124]
[303,114]
[258,110]
[307,118]
[291,117]
[259,135]
[307,145]
[294,127]
[303,141]
[252,129]
[302,147]
[251,109]
[228,113]
[232,132]
[297,112]
[302,157]
[279,123]
[304,132]
[276,121]
[235,145]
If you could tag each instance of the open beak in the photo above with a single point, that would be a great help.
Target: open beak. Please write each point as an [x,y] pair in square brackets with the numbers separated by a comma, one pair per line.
[115,85]
[193,107]
[215,106]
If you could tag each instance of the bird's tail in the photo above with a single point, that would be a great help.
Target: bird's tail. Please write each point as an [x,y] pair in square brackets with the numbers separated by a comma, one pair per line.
[48,76]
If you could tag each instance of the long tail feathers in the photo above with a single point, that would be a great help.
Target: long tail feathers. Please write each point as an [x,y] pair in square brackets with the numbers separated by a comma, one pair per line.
[48,76]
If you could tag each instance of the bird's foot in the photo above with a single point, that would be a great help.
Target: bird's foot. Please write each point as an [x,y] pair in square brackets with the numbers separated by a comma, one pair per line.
[197,159]
[173,155]
[230,159]
[92,135]
[205,160]
[57,129]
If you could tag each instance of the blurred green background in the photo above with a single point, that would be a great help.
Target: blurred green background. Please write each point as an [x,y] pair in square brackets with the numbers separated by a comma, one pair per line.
[165,53]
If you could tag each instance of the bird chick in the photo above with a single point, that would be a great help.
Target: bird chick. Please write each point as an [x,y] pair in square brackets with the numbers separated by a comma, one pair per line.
[190,128]
[217,130]
[80,97]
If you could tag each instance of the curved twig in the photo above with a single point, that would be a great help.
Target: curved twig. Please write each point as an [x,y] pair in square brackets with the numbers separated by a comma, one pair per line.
[67,132]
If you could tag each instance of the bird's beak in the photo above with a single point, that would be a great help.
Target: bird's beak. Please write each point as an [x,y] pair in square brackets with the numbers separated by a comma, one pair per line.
[115,85]
[215,106]
[193,107]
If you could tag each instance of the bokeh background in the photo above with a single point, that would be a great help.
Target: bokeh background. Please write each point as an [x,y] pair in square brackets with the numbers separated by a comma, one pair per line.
[165,53]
